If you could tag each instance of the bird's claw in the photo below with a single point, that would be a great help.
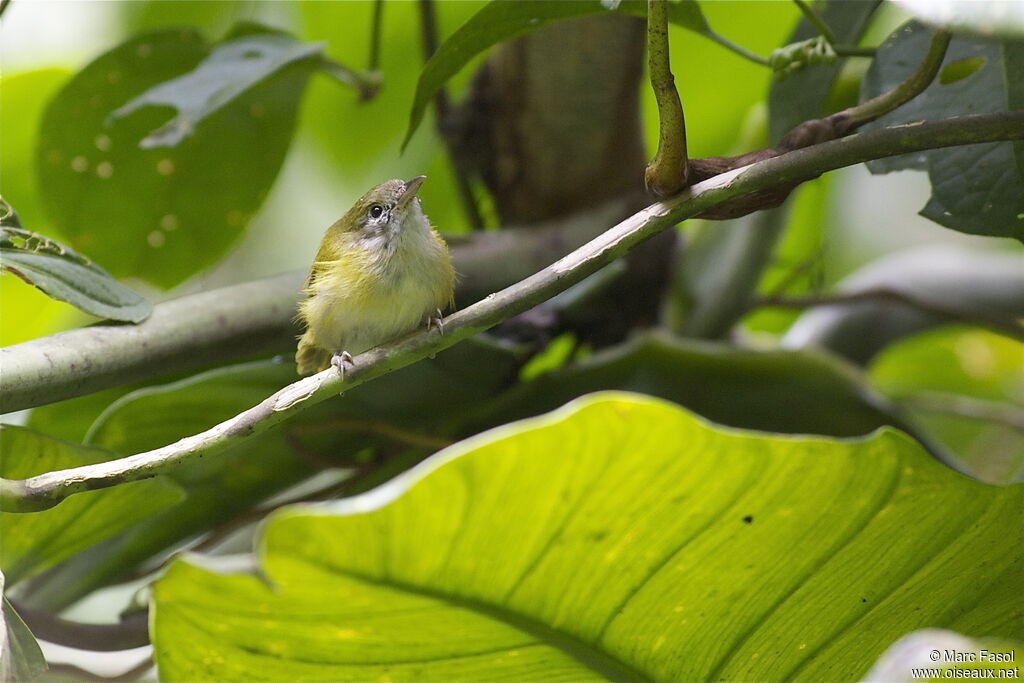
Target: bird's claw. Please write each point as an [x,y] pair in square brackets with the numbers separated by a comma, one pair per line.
[339,360]
[436,321]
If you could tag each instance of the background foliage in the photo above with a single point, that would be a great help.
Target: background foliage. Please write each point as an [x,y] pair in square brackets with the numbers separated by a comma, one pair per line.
[648,533]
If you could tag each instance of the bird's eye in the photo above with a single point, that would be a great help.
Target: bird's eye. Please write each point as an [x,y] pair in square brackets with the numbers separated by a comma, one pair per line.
[376,211]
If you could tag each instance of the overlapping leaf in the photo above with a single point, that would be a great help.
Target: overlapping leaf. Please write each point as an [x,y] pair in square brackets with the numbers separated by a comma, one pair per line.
[645,544]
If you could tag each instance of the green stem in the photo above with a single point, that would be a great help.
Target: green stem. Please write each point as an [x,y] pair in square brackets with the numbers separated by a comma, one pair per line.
[666,174]
[905,91]
[47,490]
[376,28]
[817,21]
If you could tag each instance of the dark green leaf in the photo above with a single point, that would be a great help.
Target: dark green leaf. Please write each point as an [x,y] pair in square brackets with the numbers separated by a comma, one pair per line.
[160,214]
[66,275]
[645,545]
[982,17]
[802,95]
[503,20]
[20,656]
[976,189]
[34,541]
[778,391]
[231,69]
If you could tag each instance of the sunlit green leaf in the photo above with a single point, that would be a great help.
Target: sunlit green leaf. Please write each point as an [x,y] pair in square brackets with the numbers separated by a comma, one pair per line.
[645,544]
[965,388]
[20,656]
[977,189]
[37,540]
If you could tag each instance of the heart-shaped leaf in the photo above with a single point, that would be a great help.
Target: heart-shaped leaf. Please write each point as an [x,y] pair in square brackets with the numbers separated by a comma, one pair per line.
[619,538]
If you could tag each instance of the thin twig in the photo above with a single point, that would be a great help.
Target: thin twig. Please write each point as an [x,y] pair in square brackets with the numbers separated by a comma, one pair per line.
[382,428]
[443,112]
[47,490]
[818,22]
[667,172]
[132,631]
[968,406]
[1002,325]
[922,77]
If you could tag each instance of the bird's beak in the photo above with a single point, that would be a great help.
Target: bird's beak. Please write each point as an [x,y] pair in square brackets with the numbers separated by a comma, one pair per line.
[411,188]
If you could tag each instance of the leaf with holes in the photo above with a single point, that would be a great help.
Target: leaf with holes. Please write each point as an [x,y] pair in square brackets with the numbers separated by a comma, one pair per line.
[165,213]
[499,21]
[976,189]
[66,275]
[230,70]
[618,538]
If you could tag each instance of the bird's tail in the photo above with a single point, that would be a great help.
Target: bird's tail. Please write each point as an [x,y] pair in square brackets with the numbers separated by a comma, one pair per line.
[309,357]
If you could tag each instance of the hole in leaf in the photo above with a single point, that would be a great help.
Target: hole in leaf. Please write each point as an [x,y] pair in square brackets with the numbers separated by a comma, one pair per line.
[960,69]
[252,54]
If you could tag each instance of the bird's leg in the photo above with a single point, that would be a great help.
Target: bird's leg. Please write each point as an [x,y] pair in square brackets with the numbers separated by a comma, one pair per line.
[436,321]
[339,360]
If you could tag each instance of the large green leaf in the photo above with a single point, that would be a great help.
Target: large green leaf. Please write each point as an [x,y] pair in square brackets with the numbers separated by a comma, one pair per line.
[983,17]
[977,189]
[37,540]
[502,20]
[66,275]
[20,656]
[160,214]
[619,538]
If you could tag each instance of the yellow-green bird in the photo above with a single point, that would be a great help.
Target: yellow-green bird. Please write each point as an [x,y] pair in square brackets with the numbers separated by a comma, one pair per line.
[381,271]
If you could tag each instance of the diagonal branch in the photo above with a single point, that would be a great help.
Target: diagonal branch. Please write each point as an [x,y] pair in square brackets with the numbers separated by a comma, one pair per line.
[46,490]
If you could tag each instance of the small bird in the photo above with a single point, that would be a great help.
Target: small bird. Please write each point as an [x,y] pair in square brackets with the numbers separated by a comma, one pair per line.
[381,271]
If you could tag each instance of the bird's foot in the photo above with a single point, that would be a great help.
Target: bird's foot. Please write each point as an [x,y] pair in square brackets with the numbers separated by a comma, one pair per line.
[436,321]
[339,360]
